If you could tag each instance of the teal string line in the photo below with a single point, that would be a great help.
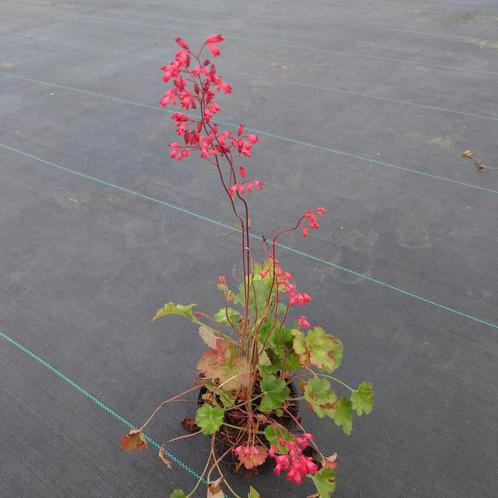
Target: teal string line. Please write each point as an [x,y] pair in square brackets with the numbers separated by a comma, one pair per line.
[266,42]
[257,76]
[228,227]
[98,402]
[268,15]
[367,159]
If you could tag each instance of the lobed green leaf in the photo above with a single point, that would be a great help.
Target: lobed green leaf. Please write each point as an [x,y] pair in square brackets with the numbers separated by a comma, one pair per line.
[177,493]
[275,392]
[226,397]
[273,433]
[362,399]
[324,481]
[209,418]
[318,348]
[226,316]
[343,415]
[320,396]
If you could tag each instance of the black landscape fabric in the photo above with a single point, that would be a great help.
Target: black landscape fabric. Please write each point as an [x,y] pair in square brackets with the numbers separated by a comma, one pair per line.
[363,107]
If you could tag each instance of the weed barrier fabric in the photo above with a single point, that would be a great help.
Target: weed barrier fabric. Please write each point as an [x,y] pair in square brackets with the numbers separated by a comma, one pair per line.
[84,266]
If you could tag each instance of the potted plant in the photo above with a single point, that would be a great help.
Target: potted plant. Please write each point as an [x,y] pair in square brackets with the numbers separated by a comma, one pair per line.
[262,355]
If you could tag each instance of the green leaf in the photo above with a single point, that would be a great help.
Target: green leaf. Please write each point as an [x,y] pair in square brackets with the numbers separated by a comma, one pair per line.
[264,359]
[259,292]
[324,481]
[221,315]
[362,399]
[209,418]
[185,310]
[343,415]
[281,308]
[291,362]
[278,339]
[275,392]
[320,396]
[272,369]
[273,433]
[178,493]
[262,289]
[318,348]
[253,493]
[226,397]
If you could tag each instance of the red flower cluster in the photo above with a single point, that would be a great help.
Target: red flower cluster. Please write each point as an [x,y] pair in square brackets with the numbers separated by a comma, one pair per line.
[195,84]
[293,461]
[284,280]
[309,220]
[245,186]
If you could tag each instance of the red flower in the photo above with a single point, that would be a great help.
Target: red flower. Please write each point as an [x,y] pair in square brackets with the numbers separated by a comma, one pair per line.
[182,43]
[309,220]
[214,39]
[214,49]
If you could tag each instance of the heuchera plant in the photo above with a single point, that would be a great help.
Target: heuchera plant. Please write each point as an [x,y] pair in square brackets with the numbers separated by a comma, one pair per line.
[263,355]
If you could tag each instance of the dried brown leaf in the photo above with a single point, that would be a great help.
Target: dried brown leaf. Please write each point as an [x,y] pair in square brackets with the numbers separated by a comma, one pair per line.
[166,462]
[467,154]
[134,440]
[480,165]
[214,489]
[330,461]
[189,424]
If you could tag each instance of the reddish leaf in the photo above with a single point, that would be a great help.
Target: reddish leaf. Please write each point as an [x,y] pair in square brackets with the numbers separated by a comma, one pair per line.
[134,440]
[208,336]
[251,456]
[330,461]
[222,364]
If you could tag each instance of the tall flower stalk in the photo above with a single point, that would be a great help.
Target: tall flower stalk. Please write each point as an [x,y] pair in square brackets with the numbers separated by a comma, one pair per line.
[259,348]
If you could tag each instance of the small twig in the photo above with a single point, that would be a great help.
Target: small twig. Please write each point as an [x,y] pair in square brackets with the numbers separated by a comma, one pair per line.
[165,403]
[184,436]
